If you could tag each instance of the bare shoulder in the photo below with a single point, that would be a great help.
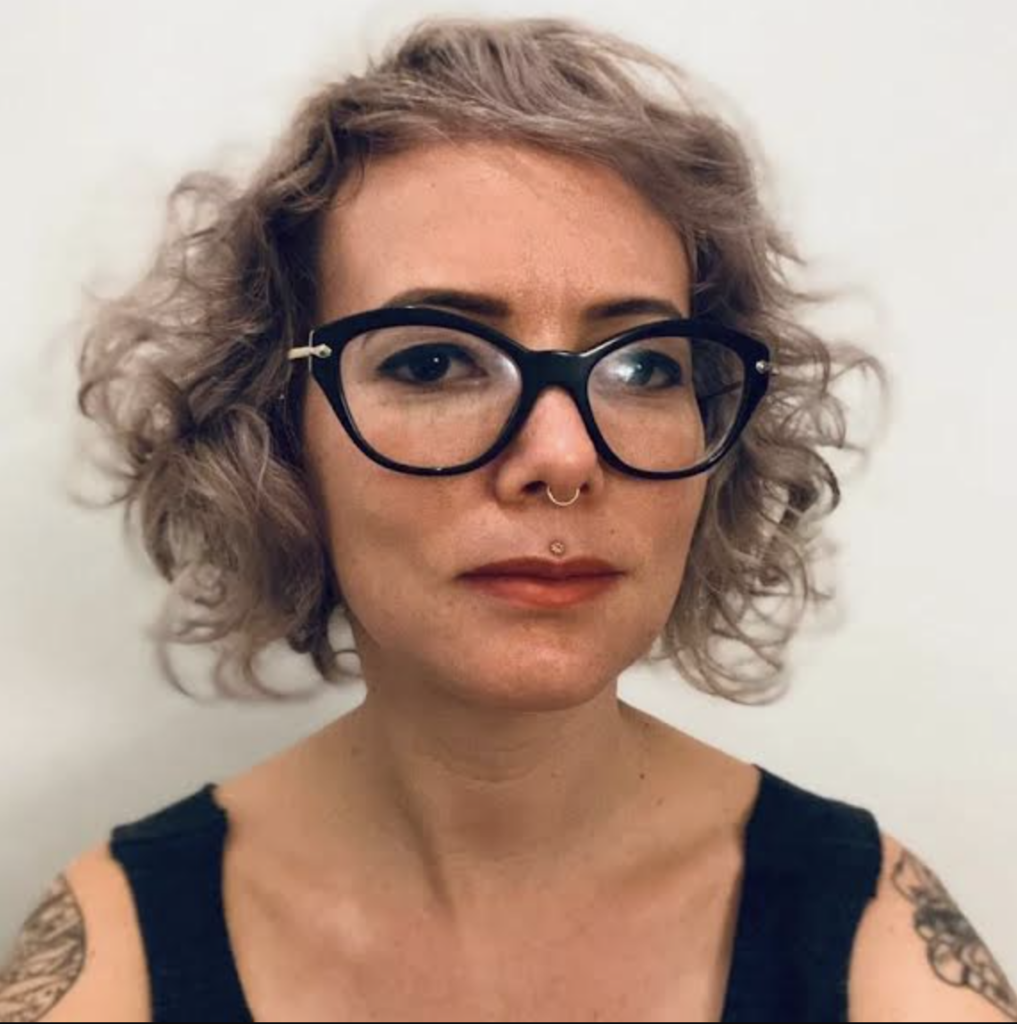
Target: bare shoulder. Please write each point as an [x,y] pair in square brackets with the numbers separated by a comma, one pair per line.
[916,956]
[79,955]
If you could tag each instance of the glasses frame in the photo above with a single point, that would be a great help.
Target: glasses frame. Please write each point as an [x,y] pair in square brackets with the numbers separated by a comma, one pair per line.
[538,370]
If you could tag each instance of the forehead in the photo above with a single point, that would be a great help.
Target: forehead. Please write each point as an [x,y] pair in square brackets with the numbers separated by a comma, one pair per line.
[544,230]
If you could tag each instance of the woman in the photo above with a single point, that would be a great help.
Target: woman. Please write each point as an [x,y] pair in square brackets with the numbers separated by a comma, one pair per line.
[494,355]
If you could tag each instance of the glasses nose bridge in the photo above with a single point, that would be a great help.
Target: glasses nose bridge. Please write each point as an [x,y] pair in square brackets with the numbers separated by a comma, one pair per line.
[547,369]
[555,369]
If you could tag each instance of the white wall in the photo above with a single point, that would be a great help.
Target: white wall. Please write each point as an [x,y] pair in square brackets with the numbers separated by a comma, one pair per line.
[892,131]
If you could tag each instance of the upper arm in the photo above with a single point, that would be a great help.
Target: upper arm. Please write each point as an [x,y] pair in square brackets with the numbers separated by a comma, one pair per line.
[78,956]
[917,958]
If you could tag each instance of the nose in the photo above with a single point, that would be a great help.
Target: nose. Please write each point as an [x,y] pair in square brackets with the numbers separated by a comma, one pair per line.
[553,449]
[555,428]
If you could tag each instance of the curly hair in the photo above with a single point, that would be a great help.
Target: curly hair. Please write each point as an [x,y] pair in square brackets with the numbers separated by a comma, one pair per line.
[184,370]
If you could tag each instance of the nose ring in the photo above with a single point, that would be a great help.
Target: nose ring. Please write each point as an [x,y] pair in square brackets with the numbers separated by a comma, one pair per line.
[575,497]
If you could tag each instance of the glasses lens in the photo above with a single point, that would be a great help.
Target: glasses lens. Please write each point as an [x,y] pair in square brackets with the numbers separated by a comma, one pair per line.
[667,403]
[430,397]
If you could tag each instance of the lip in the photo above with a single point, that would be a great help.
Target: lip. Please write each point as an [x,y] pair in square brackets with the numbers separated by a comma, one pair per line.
[539,592]
[543,568]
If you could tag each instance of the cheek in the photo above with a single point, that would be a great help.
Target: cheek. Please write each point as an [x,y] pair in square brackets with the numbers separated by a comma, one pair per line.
[673,526]
[674,516]
[367,526]
[379,528]
[346,490]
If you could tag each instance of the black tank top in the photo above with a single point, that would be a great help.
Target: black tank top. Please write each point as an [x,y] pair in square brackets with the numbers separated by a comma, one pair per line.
[811,866]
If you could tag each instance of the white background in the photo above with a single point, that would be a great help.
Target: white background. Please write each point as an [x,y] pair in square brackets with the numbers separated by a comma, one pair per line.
[891,130]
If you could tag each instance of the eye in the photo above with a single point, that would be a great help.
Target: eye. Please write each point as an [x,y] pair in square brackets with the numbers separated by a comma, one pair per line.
[427,364]
[639,367]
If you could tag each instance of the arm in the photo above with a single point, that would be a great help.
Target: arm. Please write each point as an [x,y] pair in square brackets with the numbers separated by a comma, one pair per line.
[78,956]
[917,958]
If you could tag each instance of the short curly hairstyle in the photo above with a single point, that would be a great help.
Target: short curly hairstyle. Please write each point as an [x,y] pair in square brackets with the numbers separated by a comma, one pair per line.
[184,369]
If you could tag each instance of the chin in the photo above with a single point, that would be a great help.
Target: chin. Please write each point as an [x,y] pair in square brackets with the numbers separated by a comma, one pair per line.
[533,691]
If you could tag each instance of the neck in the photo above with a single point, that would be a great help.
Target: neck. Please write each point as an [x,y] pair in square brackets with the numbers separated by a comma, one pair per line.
[484,799]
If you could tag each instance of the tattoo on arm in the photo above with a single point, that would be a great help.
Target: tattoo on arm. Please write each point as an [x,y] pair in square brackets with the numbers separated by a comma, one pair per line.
[955,951]
[47,957]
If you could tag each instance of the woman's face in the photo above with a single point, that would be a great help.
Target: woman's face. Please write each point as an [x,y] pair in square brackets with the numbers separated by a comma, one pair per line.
[549,235]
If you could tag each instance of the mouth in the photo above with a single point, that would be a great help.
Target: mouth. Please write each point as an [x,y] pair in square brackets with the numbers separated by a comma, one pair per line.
[542,592]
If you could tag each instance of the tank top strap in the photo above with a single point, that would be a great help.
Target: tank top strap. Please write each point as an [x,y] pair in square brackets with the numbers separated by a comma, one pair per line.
[173,862]
[812,864]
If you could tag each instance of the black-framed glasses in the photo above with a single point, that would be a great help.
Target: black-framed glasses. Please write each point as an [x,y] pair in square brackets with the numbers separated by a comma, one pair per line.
[434,393]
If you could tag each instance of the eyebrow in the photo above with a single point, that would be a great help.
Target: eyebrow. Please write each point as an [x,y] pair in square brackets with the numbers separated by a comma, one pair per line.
[479,304]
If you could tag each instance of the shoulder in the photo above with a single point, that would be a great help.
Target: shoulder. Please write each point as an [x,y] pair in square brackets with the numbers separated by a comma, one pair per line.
[79,954]
[916,957]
